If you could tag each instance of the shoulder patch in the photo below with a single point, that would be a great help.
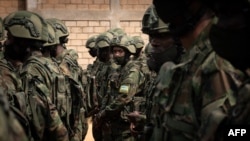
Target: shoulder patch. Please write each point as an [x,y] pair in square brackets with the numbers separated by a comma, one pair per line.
[124,89]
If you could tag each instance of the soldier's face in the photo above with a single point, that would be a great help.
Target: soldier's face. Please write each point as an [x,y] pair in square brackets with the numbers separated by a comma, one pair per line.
[118,52]
[16,48]
[104,54]
[163,50]
[119,55]
[161,42]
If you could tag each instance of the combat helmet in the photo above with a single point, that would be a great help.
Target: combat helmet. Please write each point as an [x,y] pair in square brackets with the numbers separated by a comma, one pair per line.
[51,36]
[117,31]
[26,24]
[152,23]
[90,43]
[61,30]
[103,40]
[138,42]
[148,49]
[125,42]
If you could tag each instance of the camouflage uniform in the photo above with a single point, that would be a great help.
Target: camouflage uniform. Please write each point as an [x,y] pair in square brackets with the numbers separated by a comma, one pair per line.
[15,92]
[99,79]
[34,73]
[90,73]
[67,62]
[232,29]
[11,130]
[169,54]
[140,58]
[72,69]
[36,80]
[125,89]
[194,102]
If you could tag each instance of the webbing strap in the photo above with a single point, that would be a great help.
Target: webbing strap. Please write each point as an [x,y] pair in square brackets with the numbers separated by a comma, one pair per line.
[212,106]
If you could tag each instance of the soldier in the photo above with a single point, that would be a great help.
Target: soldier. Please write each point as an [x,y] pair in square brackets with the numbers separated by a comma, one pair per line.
[99,80]
[191,106]
[230,39]
[11,127]
[160,50]
[125,88]
[140,58]
[28,32]
[90,44]
[74,118]
[90,73]
[10,66]
[139,44]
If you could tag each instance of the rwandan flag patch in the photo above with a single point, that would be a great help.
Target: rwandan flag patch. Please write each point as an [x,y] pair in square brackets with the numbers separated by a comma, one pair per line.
[124,89]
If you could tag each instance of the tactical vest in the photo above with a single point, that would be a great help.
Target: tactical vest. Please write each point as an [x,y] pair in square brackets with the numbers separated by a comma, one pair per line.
[141,61]
[65,92]
[11,130]
[17,99]
[67,62]
[97,87]
[138,100]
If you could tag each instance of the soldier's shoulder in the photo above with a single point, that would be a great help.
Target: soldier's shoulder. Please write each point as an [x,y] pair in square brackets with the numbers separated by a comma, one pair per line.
[215,63]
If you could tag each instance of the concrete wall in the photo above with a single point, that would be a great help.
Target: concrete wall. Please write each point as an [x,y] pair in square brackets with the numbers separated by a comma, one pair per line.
[85,18]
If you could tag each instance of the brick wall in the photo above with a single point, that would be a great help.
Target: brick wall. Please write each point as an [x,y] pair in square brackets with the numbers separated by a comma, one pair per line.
[85,18]
[75,4]
[8,6]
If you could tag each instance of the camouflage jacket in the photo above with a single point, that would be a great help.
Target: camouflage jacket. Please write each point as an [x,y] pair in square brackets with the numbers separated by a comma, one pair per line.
[196,100]
[240,113]
[91,87]
[11,130]
[15,93]
[67,62]
[98,77]
[92,68]
[142,62]
[13,82]
[126,90]
[11,75]
[43,114]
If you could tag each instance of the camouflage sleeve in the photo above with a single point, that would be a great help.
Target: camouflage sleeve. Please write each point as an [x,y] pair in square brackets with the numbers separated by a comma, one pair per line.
[128,88]
[215,94]
[57,130]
